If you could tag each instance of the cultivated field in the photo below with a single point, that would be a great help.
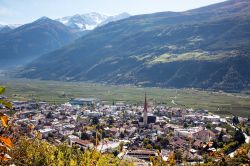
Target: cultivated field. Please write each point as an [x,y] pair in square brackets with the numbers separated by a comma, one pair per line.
[60,92]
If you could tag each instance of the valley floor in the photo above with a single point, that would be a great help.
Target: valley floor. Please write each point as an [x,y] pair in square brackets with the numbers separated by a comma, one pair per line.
[61,92]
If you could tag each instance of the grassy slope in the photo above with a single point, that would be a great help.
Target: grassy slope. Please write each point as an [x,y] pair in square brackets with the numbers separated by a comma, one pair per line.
[60,92]
[165,58]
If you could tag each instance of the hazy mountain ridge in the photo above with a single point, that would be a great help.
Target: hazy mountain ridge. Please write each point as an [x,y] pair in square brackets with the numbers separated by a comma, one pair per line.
[5,29]
[197,48]
[31,40]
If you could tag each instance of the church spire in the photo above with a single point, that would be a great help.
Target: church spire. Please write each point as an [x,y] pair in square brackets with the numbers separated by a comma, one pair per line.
[145,111]
[145,104]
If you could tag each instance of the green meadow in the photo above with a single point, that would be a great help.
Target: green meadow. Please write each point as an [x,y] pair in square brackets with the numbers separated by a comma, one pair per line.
[61,92]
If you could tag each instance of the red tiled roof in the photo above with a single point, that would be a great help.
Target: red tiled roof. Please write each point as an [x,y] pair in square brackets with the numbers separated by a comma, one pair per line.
[205,133]
[145,152]
[81,142]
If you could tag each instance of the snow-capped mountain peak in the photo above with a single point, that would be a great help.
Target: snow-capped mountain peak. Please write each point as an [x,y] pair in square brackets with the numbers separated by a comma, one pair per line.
[88,21]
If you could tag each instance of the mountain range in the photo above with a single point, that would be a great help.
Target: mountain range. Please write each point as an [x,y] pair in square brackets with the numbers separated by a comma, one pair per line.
[205,48]
[29,41]
[20,44]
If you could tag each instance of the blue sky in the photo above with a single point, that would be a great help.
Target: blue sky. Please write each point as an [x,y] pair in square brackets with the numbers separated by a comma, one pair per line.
[23,11]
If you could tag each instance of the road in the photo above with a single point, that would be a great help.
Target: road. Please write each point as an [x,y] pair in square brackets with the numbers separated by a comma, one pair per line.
[247,140]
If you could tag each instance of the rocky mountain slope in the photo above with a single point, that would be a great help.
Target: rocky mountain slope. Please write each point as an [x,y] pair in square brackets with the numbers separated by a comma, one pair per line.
[29,41]
[203,48]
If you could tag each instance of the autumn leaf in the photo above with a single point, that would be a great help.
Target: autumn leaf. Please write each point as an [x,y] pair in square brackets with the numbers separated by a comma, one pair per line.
[6,141]
[4,157]
[4,119]
[6,104]
[2,90]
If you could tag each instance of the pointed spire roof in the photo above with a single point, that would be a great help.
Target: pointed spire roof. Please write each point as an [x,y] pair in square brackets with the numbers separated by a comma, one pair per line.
[145,104]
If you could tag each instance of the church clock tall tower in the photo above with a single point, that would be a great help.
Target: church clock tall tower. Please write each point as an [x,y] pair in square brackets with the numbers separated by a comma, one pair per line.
[145,112]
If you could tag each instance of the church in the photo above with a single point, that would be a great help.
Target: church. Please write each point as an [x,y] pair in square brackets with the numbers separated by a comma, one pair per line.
[146,120]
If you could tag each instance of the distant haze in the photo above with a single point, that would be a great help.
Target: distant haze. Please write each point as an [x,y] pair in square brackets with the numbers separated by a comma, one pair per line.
[19,12]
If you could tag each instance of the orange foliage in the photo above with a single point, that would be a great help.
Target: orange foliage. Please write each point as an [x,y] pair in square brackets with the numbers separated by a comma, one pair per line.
[6,141]
[4,157]
[4,119]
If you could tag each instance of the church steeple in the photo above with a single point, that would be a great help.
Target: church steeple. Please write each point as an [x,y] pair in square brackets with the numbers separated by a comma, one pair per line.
[145,112]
